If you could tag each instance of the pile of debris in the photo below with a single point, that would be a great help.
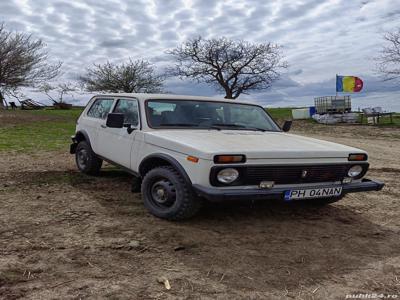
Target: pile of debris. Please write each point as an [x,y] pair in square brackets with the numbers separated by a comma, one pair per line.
[31,104]
[336,118]
[62,105]
[375,114]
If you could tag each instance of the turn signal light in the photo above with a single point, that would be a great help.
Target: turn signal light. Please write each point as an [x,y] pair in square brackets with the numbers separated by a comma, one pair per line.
[192,159]
[229,159]
[358,157]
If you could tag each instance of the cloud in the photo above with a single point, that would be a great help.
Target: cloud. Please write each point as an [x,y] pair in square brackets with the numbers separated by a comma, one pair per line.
[319,38]
[114,43]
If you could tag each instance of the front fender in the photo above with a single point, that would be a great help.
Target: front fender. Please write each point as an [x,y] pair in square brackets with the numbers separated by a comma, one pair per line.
[79,136]
[148,160]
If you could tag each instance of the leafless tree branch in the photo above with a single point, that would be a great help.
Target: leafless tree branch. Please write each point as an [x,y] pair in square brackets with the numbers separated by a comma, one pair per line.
[135,76]
[23,62]
[389,58]
[62,89]
[234,67]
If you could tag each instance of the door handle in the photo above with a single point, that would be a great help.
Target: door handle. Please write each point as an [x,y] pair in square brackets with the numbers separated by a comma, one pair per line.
[103,126]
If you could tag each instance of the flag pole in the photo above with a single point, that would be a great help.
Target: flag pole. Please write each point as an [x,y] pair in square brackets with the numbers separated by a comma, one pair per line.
[336,86]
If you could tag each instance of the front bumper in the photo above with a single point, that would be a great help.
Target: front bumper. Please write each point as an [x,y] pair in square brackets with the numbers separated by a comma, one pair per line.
[215,194]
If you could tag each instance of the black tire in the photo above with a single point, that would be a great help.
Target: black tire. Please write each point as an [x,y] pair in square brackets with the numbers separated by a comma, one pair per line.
[175,201]
[86,160]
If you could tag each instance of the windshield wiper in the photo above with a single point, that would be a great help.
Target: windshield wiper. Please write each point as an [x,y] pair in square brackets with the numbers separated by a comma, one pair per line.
[220,126]
[239,127]
[227,125]
[180,124]
[256,129]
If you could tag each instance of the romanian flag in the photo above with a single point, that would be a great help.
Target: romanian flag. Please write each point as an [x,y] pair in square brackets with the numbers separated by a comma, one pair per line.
[348,84]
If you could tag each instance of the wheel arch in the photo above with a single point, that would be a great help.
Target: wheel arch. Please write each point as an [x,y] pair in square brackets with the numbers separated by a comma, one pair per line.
[79,136]
[160,159]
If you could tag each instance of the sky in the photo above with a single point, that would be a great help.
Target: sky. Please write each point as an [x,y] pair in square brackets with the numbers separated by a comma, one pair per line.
[319,39]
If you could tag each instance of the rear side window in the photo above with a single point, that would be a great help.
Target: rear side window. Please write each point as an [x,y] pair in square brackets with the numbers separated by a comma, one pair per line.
[100,108]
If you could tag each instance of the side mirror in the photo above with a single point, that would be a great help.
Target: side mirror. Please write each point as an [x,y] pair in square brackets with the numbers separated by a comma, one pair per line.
[115,120]
[286,126]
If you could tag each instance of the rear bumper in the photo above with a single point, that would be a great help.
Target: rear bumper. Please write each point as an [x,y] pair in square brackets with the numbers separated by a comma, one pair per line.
[215,194]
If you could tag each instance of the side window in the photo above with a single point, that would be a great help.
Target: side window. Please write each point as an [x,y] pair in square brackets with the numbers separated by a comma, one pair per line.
[130,110]
[100,108]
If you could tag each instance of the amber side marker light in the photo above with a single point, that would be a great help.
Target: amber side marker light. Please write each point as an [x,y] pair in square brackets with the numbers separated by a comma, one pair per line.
[228,159]
[358,157]
[192,159]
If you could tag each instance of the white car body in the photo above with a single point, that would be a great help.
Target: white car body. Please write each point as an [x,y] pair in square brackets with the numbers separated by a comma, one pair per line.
[129,150]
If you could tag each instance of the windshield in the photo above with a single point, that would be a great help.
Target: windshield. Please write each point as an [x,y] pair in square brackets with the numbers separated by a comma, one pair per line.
[207,115]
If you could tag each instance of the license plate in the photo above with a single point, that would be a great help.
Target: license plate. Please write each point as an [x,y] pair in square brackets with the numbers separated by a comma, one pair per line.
[313,193]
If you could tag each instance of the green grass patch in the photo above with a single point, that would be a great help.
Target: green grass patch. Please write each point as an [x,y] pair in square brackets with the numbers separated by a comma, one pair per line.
[50,135]
[385,121]
[280,113]
[37,134]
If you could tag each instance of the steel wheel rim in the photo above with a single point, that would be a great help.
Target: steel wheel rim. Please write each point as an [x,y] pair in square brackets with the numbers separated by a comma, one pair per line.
[163,193]
[82,158]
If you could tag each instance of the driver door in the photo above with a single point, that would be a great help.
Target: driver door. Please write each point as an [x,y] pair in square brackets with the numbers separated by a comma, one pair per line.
[116,143]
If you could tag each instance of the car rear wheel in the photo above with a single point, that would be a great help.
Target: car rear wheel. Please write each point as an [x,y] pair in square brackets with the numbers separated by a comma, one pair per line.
[166,194]
[86,160]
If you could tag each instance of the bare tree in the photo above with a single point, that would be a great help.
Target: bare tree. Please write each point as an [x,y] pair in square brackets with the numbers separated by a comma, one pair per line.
[23,63]
[61,89]
[135,76]
[389,59]
[234,67]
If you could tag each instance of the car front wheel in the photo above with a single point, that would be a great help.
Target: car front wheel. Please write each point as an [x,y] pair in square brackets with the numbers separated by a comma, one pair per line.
[86,160]
[166,194]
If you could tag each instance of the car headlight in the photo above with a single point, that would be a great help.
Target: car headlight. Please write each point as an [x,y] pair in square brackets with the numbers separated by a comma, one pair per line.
[227,175]
[354,171]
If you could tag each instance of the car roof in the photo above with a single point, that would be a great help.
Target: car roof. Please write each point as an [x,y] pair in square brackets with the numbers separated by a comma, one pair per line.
[145,96]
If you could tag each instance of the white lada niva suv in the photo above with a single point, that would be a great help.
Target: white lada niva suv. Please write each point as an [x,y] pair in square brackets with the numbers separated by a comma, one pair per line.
[184,149]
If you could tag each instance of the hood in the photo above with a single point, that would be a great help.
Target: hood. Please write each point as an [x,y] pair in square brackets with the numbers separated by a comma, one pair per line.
[254,144]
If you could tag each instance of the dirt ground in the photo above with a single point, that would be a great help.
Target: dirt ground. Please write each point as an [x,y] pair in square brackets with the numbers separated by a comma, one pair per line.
[65,235]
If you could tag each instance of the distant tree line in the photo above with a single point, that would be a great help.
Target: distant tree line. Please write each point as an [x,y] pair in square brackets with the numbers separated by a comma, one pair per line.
[233,67]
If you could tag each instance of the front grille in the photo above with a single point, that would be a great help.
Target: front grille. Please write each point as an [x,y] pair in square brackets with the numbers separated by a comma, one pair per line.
[294,174]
